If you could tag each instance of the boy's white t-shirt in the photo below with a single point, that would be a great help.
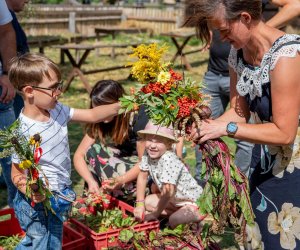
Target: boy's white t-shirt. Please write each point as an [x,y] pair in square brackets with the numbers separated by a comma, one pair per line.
[169,169]
[55,160]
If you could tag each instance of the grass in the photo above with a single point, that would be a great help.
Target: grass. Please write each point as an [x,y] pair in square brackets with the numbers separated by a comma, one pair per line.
[77,96]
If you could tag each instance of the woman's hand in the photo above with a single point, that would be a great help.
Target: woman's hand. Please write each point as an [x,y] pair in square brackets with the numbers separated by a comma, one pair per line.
[209,129]
[139,213]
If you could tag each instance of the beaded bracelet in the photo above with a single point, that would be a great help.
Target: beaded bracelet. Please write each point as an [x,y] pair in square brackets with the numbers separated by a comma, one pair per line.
[139,204]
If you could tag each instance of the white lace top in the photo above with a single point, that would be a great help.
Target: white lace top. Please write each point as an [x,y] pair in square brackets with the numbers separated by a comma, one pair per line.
[250,79]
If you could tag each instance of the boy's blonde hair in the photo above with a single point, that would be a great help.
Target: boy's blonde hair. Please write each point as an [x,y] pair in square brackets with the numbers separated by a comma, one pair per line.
[30,69]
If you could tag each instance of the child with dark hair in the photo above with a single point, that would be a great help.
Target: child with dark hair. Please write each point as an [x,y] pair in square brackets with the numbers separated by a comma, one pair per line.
[110,149]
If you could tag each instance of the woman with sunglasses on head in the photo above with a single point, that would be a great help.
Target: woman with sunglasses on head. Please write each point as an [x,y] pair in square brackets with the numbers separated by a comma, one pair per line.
[264,84]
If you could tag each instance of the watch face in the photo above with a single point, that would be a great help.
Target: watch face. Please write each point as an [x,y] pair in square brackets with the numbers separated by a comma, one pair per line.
[232,127]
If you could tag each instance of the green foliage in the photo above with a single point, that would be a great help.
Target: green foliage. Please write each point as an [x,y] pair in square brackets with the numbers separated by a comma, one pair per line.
[106,220]
[10,242]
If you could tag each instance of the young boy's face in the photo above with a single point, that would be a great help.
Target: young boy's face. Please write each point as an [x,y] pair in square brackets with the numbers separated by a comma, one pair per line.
[156,146]
[47,92]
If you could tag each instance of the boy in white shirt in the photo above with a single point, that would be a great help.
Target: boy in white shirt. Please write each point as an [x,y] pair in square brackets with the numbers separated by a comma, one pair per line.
[39,81]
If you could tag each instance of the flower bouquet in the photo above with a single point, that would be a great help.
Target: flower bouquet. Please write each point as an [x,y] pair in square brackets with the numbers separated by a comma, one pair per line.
[29,153]
[170,99]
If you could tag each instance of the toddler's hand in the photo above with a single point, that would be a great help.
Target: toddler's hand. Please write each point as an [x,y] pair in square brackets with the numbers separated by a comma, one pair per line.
[139,213]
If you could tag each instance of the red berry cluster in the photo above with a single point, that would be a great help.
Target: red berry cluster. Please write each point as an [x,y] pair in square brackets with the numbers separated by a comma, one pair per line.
[175,76]
[157,88]
[185,104]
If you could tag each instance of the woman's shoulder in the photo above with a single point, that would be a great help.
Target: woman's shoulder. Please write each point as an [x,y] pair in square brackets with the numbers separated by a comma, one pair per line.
[287,45]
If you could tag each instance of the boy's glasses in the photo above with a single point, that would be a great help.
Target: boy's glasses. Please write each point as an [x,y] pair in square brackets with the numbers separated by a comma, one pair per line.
[56,89]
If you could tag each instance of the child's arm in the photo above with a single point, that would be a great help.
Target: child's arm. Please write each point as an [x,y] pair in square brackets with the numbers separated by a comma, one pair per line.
[19,179]
[81,166]
[129,176]
[97,114]
[167,193]
[139,210]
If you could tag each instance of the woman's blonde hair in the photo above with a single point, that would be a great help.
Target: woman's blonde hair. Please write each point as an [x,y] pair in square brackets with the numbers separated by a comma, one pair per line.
[108,92]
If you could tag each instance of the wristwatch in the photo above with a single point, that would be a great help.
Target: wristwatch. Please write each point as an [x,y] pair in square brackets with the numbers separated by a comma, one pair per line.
[231,128]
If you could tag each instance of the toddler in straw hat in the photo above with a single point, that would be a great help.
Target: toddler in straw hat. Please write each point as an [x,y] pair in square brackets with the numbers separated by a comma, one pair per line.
[178,190]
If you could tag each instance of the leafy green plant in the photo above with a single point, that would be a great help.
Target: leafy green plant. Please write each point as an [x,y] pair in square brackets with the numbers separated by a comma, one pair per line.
[181,237]
[9,242]
[106,220]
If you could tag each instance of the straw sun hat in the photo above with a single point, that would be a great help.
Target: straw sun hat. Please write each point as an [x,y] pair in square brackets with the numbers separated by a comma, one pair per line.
[158,130]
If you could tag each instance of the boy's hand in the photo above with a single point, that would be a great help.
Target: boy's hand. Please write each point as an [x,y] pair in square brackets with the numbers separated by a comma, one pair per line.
[139,213]
[37,197]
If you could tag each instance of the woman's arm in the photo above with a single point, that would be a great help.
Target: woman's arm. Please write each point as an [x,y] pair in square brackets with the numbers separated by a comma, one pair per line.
[285,91]
[289,10]
[238,112]
[81,166]
[96,114]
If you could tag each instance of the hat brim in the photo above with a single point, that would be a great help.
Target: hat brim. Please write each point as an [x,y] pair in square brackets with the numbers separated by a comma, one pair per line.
[143,133]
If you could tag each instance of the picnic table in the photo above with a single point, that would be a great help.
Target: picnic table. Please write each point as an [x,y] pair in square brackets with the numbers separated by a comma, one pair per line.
[186,36]
[45,41]
[78,60]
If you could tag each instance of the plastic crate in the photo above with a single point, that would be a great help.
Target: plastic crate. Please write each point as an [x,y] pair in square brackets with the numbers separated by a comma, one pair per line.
[72,240]
[110,238]
[9,225]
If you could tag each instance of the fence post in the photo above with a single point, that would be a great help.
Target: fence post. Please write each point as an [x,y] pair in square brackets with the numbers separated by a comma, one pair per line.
[72,22]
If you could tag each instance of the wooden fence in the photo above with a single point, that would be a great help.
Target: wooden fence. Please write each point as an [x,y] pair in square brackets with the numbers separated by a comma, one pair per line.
[82,19]
[61,19]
